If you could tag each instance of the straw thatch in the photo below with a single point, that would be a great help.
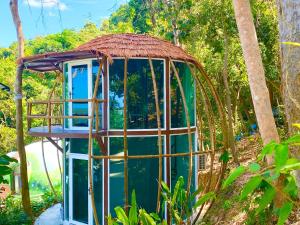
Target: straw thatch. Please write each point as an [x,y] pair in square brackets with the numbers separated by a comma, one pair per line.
[114,45]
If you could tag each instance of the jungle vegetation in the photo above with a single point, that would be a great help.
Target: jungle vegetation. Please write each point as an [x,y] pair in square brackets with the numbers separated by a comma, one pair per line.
[260,77]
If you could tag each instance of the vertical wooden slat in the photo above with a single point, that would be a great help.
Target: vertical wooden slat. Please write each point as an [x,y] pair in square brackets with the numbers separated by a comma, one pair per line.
[188,126]
[159,141]
[125,138]
[49,116]
[105,127]
[168,127]
[90,150]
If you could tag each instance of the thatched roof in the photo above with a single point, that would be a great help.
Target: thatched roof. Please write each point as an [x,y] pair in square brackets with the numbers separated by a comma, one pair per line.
[115,45]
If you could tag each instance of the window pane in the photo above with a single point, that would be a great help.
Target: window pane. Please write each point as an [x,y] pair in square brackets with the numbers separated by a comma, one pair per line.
[79,145]
[116,175]
[180,165]
[80,91]
[178,118]
[142,173]
[80,190]
[97,181]
[95,67]
[66,181]
[141,101]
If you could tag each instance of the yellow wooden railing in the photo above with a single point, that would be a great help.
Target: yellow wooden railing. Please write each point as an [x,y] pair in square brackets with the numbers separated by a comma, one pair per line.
[54,112]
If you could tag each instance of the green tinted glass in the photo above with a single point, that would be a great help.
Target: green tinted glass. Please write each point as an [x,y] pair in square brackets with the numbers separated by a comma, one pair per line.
[178,117]
[142,173]
[180,165]
[141,111]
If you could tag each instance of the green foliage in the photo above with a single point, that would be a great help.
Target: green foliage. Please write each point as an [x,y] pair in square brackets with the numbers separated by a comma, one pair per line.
[234,175]
[263,181]
[12,213]
[5,167]
[136,216]
[180,205]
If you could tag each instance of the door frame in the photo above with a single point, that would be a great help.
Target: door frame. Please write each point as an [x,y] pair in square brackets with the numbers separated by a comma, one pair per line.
[76,156]
[87,62]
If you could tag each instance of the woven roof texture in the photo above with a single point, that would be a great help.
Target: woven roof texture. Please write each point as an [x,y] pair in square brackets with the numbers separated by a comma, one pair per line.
[114,45]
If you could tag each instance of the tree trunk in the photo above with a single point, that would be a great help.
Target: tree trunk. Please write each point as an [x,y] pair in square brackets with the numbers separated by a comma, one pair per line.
[256,74]
[19,111]
[289,29]
[228,102]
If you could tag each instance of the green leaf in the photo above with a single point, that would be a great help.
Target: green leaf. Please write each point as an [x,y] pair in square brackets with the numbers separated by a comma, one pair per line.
[281,155]
[224,157]
[121,215]
[146,218]
[291,186]
[5,170]
[111,221]
[295,139]
[155,216]
[233,176]
[178,186]
[284,212]
[291,43]
[208,196]
[295,166]
[133,218]
[267,149]
[250,186]
[177,217]
[254,167]
[165,187]
[266,199]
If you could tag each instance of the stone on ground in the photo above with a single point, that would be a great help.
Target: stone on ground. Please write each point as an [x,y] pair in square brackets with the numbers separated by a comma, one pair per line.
[51,216]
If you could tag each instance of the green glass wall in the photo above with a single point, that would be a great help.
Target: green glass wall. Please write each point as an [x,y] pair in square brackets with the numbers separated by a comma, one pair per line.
[180,165]
[98,187]
[79,91]
[66,180]
[142,173]
[95,68]
[80,190]
[178,118]
[140,102]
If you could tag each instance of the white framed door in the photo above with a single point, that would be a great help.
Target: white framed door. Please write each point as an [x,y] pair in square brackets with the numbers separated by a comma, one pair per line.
[80,210]
[80,87]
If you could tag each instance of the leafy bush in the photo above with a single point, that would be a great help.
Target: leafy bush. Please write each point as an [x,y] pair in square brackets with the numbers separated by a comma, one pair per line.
[12,213]
[180,204]
[5,167]
[273,187]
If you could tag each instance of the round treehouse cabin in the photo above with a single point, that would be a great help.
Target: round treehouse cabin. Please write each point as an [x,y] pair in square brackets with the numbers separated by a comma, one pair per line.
[127,120]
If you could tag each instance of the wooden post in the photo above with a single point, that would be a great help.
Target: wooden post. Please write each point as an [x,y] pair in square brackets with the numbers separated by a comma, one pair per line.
[159,141]
[125,138]
[19,110]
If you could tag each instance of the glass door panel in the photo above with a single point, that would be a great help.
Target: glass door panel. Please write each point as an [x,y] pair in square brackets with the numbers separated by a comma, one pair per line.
[80,86]
[80,196]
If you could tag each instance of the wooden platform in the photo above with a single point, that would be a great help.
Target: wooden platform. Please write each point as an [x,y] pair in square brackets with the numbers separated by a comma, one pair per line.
[60,132]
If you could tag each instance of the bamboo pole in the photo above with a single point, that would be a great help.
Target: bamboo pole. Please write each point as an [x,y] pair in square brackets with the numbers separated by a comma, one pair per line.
[149,156]
[189,129]
[159,141]
[125,138]
[90,154]
[46,170]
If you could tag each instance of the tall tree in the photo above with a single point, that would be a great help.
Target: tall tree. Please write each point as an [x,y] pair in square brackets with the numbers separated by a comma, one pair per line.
[228,101]
[289,29]
[255,70]
[19,110]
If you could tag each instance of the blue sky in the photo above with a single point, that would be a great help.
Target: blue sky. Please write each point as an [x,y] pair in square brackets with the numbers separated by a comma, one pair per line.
[58,15]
